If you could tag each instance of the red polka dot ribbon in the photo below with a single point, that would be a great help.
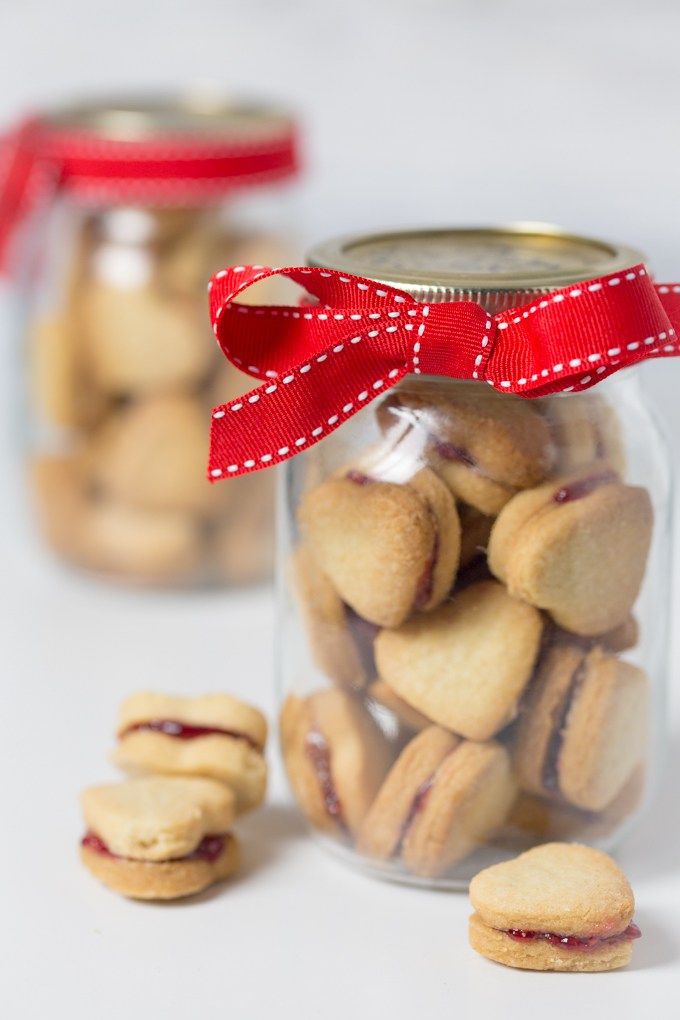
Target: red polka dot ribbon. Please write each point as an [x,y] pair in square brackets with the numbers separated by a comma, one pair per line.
[38,159]
[323,361]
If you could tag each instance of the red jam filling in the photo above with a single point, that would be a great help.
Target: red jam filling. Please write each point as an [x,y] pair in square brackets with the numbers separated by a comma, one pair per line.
[209,849]
[185,731]
[426,582]
[417,805]
[449,451]
[319,754]
[583,945]
[358,478]
[582,487]
[550,777]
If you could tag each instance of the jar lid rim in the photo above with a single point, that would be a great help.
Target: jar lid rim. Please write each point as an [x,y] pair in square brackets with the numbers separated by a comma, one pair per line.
[461,261]
[150,116]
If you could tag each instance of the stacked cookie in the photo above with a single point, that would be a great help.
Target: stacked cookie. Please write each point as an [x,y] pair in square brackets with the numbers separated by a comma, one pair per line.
[197,764]
[123,373]
[466,585]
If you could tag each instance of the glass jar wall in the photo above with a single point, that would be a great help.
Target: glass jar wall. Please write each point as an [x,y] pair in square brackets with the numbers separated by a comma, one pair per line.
[474,593]
[123,368]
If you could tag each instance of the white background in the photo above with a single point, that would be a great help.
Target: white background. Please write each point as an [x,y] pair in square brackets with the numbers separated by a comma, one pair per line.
[427,112]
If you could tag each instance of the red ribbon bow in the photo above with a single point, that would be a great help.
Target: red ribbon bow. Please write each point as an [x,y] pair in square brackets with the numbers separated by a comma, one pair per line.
[38,158]
[322,363]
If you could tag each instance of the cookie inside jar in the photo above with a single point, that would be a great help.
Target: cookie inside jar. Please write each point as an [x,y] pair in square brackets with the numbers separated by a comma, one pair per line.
[472,573]
[123,367]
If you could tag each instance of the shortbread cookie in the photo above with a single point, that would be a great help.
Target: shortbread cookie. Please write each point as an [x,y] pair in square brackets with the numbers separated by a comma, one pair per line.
[216,736]
[59,386]
[152,548]
[585,430]
[485,447]
[577,547]
[582,729]
[442,798]
[152,455]
[341,643]
[561,906]
[335,756]
[408,717]
[160,837]
[388,549]
[466,664]
[139,342]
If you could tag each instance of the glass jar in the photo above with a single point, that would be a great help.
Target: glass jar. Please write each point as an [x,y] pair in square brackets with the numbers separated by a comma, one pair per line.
[122,366]
[474,592]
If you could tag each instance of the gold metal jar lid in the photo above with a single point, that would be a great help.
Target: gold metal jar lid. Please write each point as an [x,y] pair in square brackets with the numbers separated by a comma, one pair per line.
[499,267]
[199,115]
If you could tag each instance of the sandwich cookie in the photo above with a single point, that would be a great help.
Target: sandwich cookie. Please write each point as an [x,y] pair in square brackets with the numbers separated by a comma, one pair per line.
[561,906]
[583,726]
[336,758]
[442,798]
[159,838]
[215,736]
[150,456]
[466,664]
[485,447]
[340,641]
[388,549]
[577,547]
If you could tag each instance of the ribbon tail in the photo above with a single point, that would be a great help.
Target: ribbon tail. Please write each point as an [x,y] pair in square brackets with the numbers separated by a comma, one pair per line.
[290,414]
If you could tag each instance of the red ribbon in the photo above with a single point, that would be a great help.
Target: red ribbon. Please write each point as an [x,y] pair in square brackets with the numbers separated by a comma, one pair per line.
[321,363]
[173,169]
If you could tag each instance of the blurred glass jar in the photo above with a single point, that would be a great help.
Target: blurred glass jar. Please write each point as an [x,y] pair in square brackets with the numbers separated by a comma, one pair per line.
[122,367]
[475,592]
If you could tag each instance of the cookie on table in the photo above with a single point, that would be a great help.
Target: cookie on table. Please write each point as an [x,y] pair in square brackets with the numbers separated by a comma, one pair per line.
[485,447]
[584,430]
[388,549]
[151,455]
[464,665]
[139,342]
[216,736]
[560,906]
[576,547]
[408,717]
[442,798]
[582,727]
[341,643]
[336,758]
[159,838]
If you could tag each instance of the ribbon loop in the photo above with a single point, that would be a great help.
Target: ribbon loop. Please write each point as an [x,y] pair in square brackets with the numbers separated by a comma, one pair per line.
[361,337]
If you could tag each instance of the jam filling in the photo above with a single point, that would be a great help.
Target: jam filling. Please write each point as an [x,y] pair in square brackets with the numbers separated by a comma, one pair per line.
[209,849]
[363,634]
[583,945]
[417,805]
[319,754]
[449,451]
[358,478]
[186,731]
[583,487]
[550,772]
[426,582]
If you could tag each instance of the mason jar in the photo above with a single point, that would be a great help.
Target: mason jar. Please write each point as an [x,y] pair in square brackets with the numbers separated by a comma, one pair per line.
[146,199]
[474,591]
